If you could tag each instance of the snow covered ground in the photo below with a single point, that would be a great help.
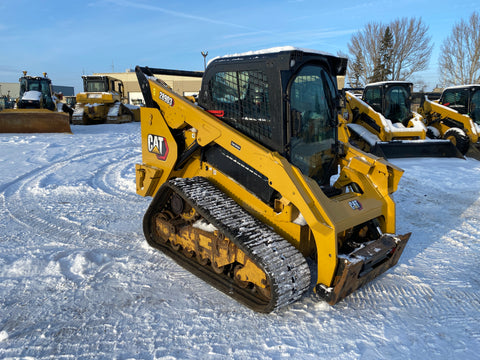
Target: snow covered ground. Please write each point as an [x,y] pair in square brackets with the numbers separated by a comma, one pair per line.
[78,280]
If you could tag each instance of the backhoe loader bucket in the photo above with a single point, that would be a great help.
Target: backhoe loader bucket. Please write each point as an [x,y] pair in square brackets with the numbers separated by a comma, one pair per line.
[34,121]
[415,148]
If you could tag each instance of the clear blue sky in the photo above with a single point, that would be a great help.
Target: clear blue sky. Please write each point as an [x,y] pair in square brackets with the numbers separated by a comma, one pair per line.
[70,38]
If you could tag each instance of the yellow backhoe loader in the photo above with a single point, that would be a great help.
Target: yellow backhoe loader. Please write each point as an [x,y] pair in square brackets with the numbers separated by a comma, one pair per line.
[455,117]
[102,101]
[35,110]
[253,192]
[381,122]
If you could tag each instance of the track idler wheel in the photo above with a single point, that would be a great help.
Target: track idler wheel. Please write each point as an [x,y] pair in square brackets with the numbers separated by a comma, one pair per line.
[217,269]
[202,260]
[264,292]
[238,279]
[188,253]
[175,247]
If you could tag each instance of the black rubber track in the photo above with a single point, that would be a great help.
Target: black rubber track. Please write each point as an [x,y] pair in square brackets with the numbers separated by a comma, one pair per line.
[286,268]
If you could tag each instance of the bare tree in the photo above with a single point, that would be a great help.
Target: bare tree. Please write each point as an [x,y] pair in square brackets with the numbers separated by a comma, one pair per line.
[353,77]
[410,48]
[419,85]
[367,43]
[459,60]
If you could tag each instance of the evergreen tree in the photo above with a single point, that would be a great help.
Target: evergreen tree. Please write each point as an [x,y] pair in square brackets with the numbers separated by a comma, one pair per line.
[383,60]
[377,70]
[357,70]
[386,51]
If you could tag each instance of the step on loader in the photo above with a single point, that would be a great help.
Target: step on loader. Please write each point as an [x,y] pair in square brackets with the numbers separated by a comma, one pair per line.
[381,122]
[36,110]
[253,192]
[455,117]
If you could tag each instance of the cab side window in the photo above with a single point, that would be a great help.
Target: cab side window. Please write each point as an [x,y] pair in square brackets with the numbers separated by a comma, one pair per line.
[244,98]
[373,97]
[456,99]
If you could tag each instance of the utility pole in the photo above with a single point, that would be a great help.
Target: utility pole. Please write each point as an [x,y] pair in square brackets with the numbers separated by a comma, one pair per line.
[204,54]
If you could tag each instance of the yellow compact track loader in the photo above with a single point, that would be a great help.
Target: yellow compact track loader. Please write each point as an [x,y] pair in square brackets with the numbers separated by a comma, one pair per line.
[101,102]
[35,110]
[251,189]
[381,122]
[455,117]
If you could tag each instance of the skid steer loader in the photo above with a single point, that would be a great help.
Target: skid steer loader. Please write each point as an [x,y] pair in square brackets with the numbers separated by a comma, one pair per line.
[455,117]
[101,102]
[35,110]
[382,123]
[252,191]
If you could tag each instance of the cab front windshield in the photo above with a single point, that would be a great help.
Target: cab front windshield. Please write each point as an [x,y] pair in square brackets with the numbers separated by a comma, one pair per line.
[96,86]
[313,118]
[40,85]
[397,104]
[475,106]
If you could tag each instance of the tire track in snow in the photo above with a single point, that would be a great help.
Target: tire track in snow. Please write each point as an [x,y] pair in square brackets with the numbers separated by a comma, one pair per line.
[414,295]
[51,210]
[106,179]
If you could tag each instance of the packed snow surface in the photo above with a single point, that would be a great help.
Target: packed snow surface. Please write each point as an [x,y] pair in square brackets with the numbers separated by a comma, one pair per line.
[78,280]
[272,50]
[277,50]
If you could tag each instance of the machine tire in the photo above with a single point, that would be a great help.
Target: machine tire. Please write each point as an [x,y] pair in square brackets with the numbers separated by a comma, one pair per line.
[433,133]
[458,138]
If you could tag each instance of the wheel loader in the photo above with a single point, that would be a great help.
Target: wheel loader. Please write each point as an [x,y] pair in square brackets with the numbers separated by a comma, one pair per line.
[455,117]
[35,110]
[381,122]
[253,192]
[101,102]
